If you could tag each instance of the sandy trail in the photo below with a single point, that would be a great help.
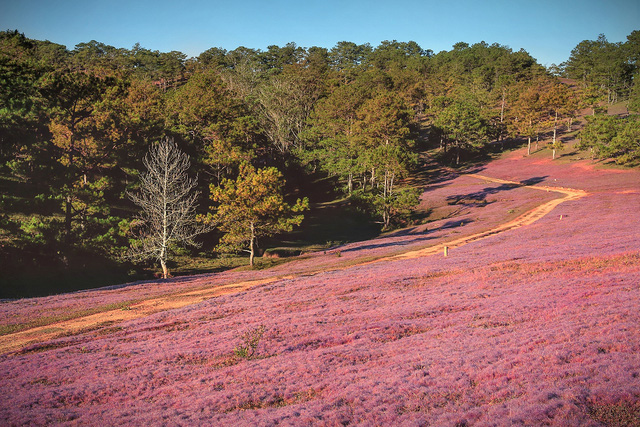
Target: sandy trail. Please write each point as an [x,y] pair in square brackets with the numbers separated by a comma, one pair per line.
[525,219]
[18,340]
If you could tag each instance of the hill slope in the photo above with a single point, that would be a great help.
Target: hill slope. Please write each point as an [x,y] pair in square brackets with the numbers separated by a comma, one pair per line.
[534,324]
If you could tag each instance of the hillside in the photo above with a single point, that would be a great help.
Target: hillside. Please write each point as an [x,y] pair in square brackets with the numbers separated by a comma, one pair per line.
[531,319]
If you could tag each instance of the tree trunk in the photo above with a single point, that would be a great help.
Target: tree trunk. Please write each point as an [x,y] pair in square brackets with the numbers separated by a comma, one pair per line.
[502,106]
[350,183]
[68,212]
[386,186]
[500,136]
[165,270]
[165,225]
[555,127]
[529,137]
[163,261]
[252,244]
[67,219]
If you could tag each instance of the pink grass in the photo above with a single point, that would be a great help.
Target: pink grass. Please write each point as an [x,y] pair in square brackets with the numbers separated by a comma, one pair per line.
[537,325]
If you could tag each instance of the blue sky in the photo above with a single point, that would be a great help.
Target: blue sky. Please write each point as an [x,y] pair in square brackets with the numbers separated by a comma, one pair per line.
[548,30]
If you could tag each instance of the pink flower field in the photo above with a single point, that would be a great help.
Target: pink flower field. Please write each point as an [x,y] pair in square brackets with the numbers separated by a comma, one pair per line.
[536,325]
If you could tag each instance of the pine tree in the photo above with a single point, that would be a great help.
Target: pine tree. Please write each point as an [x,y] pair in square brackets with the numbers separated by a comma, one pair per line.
[252,206]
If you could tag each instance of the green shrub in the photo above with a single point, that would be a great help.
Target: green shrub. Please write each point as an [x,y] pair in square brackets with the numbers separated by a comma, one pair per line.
[250,341]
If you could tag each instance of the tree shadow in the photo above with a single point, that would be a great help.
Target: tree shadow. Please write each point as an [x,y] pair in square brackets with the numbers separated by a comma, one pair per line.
[420,236]
[433,187]
[479,198]
[388,244]
[431,175]
[533,181]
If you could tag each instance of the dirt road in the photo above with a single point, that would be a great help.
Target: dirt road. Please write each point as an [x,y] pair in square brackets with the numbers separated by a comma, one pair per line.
[525,219]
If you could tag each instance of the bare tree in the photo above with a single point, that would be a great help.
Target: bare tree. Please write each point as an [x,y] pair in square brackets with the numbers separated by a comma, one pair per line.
[168,202]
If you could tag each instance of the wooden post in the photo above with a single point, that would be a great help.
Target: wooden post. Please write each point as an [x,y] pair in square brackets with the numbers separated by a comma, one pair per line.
[446,251]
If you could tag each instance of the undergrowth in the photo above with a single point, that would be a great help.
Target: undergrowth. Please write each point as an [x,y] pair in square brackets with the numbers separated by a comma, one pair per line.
[250,340]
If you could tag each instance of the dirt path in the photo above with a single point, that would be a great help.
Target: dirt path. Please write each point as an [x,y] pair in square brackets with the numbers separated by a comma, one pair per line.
[524,219]
[16,341]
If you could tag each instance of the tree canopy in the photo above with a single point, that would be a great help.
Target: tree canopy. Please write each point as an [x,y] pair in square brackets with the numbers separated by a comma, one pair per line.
[253,206]
[75,124]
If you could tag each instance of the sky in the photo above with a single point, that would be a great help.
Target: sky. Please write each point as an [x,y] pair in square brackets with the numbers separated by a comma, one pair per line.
[547,29]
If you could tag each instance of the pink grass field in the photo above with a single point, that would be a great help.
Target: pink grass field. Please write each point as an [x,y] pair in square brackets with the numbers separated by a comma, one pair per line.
[539,325]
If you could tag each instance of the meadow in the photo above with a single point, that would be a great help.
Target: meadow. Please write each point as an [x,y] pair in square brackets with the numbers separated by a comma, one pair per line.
[534,325]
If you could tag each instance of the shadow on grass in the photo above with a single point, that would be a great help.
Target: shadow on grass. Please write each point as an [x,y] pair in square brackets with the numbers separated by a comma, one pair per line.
[420,237]
[30,274]
[479,198]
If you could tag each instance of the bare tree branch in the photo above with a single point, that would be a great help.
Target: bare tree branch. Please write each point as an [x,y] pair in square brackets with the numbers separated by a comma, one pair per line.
[168,205]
